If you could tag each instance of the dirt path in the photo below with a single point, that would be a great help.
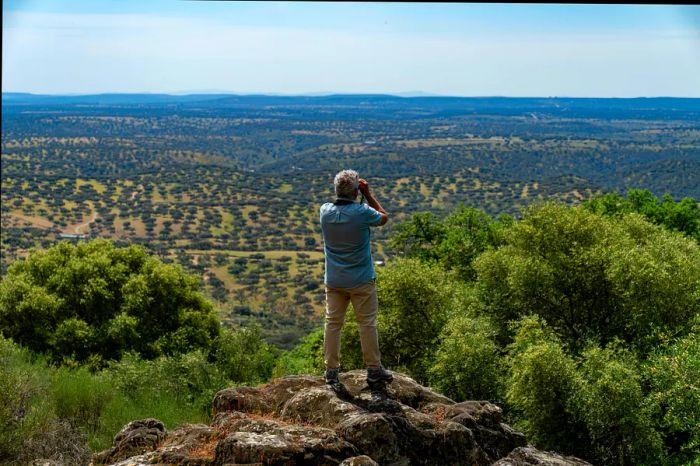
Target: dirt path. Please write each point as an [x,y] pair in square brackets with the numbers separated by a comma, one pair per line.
[78,228]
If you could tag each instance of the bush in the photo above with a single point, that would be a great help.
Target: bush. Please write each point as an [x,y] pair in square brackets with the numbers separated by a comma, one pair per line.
[415,300]
[468,363]
[541,385]
[243,357]
[591,277]
[610,402]
[305,358]
[29,427]
[673,373]
[94,301]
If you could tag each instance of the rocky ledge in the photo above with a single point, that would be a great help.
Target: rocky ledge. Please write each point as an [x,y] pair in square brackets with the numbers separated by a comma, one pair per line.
[299,420]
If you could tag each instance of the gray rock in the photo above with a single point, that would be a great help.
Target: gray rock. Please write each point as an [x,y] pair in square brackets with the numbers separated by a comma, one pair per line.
[135,438]
[244,399]
[299,420]
[527,456]
[272,443]
[363,460]
[483,419]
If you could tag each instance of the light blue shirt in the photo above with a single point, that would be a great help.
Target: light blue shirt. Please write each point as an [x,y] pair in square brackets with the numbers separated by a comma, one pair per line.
[346,242]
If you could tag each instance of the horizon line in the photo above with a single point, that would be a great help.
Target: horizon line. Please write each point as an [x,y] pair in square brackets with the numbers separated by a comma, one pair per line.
[404,95]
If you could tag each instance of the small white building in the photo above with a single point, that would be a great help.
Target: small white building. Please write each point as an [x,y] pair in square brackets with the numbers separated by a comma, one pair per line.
[73,236]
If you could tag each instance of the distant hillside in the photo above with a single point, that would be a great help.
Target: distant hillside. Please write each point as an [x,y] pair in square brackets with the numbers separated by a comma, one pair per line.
[229,185]
[397,106]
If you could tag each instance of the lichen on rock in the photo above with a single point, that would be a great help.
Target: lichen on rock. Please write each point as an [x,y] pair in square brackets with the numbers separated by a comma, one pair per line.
[301,420]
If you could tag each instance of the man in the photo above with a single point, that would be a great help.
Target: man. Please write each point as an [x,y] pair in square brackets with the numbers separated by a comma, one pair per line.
[350,275]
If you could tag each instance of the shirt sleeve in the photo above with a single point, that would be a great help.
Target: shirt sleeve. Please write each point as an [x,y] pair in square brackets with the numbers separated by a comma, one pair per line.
[372,216]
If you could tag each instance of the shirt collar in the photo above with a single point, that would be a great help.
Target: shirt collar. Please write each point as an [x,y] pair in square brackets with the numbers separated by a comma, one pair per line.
[343,201]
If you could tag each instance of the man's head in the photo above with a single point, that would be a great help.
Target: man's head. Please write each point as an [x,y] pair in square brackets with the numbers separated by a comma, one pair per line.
[346,184]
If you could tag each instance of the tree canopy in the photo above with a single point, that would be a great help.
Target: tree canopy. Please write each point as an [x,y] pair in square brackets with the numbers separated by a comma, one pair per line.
[94,301]
[583,322]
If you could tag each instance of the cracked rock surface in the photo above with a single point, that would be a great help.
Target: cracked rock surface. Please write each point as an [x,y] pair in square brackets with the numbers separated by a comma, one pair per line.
[299,420]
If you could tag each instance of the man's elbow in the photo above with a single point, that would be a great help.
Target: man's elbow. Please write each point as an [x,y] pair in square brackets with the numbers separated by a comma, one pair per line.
[385,218]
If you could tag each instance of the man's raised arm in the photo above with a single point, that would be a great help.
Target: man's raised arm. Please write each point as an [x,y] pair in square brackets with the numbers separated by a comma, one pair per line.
[373,202]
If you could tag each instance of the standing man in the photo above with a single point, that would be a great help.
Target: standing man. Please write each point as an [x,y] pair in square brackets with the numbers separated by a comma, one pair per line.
[350,275]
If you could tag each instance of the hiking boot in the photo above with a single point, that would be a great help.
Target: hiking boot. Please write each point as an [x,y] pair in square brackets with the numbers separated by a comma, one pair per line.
[375,375]
[332,376]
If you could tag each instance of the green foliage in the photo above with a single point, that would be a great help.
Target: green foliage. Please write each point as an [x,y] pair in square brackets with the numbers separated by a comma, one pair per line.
[557,322]
[541,383]
[80,396]
[415,300]
[468,362]
[187,378]
[610,401]
[591,278]
[682,216]
[305,358]
[419,237]
[454,242]
[673,372]
[243,356]
[29,426]
[94,301]
[593,406]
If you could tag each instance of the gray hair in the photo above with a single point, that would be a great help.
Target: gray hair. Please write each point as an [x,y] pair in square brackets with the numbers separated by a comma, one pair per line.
[346,182]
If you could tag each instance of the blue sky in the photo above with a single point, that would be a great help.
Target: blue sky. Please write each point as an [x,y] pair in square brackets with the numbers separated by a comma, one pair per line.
[81,46]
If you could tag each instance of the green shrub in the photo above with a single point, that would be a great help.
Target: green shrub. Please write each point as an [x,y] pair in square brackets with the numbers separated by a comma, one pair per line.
[609,400]
[305,358]
[468,364]
[80,396]
[591,277]
[673,372]
[29,427]
[541,385]
[415,300]
[242,356]
[94,301]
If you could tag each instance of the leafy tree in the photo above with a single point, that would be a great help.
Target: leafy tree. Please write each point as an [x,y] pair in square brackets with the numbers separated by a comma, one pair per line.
[541,384]
[454,242]
[468,233]
[94,301]
[419,237]
[682,216]
[591,277]
[610,401]
[673,373]
[468,362]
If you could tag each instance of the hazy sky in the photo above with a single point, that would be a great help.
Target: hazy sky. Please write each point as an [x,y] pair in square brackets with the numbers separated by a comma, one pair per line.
[94,46]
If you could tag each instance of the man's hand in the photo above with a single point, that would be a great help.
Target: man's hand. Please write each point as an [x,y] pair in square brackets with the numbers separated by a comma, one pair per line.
[364,187]
[372,201]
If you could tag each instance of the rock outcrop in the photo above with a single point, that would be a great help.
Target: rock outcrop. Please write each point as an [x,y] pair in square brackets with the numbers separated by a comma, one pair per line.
[299,420]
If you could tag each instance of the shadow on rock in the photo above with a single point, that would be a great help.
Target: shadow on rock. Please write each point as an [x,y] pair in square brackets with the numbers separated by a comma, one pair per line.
[301,420]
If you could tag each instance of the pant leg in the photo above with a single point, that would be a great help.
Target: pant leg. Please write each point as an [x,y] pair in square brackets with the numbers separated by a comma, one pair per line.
[365,304]
[337,300]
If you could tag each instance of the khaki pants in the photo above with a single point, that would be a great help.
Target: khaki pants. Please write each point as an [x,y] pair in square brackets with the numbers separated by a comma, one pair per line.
[364,302]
